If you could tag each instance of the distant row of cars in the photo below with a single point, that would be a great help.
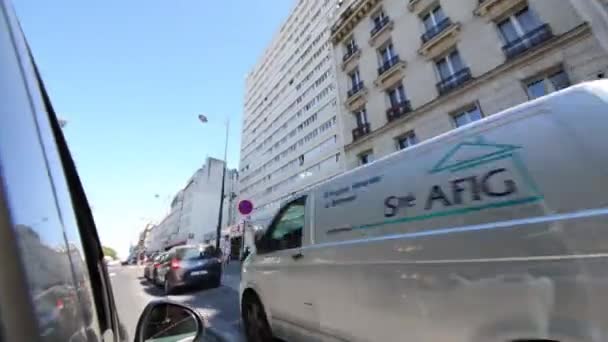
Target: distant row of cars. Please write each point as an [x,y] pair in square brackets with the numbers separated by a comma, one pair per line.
[185,266]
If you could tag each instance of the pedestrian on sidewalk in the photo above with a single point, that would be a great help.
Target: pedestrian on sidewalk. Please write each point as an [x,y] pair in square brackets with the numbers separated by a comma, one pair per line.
[225,246]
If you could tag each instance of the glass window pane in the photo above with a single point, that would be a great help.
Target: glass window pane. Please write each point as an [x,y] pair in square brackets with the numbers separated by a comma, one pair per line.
[439,15]
[559,80]
[527,20]
[536,89]
[400,93]
[461,119]
[474,114]
[428,22]
[508,31]
[288,226]
[457,64]
[443,68]
[393,97]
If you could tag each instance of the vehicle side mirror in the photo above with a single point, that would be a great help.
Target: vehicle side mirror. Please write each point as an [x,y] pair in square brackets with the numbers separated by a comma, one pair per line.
[168,321]
[261,244]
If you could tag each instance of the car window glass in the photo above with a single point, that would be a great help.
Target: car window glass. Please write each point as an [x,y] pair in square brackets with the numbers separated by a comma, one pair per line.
[287,231]
[188,253]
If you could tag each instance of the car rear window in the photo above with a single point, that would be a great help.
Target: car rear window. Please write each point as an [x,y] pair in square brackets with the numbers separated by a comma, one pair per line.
[188,253]
[195,253]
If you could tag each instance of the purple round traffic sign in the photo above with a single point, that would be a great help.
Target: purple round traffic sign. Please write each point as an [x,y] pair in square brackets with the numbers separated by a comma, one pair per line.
[245,207]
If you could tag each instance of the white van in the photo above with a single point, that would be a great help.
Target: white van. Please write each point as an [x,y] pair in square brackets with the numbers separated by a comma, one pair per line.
[497,231]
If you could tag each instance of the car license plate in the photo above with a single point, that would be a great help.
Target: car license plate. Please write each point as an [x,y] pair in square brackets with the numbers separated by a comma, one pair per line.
[198,273]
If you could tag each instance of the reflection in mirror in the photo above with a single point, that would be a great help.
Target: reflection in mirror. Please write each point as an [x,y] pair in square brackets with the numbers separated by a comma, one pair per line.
[168,322]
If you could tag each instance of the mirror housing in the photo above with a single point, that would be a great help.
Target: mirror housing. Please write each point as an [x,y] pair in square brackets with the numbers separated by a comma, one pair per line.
[261,244]
[164,320]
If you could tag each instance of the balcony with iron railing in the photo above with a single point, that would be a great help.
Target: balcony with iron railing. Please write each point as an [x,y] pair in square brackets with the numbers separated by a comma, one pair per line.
[390,72]
[361,131]
[388,64]
[356,89]
[437,39]
[435,30]
[398,110]
[529,40]
[355,96]
[379,26]
[350,52]
[454,81]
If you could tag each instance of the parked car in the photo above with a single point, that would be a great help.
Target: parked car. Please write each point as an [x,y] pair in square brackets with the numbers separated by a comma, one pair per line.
[495,231]
[190,266]
[149,265]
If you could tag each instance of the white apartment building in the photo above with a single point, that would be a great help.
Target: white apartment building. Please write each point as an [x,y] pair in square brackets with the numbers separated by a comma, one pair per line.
[194,210]
[290,138]
[409,70]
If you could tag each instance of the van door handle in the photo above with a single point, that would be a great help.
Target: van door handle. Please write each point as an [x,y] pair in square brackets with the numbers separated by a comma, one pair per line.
[297,256]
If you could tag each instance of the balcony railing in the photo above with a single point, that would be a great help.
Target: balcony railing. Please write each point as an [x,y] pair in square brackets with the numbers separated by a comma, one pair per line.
[531,39]
[454,81]
[355,89]
[360,131]
[388,64]
[350,52]
[399,110]
[435,30]
[380,25]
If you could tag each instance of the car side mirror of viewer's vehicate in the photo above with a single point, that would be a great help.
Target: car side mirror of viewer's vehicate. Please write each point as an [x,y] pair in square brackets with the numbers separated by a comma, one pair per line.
[165,321]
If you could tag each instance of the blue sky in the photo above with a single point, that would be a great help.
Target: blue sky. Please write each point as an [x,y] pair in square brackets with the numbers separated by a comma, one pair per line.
[130,78]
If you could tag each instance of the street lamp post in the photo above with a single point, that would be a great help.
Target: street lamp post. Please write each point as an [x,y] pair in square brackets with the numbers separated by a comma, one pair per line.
[218,232]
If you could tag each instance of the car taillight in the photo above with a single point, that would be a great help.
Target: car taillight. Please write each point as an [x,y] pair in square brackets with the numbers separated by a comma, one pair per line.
[156,265]
[175,264]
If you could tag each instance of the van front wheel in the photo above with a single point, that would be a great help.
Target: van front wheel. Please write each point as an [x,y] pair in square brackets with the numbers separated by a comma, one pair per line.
[256,324]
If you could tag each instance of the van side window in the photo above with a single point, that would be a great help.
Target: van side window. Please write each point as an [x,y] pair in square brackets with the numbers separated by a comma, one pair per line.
[286,232]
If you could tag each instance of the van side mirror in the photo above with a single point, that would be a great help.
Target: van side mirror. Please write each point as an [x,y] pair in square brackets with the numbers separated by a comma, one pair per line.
[261,244]
[168,321]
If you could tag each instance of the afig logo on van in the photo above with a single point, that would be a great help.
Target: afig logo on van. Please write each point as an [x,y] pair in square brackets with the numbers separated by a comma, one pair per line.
[486,175]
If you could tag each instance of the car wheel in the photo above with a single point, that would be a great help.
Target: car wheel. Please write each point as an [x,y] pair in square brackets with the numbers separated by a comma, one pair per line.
[168,287]
[256,324]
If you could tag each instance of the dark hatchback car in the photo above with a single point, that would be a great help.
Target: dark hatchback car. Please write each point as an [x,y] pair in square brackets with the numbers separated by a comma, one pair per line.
[186,266]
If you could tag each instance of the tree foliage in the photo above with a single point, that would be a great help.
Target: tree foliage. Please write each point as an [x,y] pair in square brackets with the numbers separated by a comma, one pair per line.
[109,251]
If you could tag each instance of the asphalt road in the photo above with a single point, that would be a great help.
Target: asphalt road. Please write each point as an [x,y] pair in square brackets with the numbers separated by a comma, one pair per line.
[220,306]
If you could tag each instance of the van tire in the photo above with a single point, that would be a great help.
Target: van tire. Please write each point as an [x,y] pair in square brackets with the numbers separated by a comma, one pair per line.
[255,322]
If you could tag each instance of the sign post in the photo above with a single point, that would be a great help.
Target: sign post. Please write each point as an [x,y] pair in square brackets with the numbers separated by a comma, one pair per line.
[245,208]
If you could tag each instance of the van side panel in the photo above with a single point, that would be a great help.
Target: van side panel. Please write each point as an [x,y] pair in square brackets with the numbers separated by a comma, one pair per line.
[487,233]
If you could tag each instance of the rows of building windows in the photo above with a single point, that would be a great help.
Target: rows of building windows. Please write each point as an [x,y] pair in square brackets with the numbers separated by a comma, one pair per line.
[256,113]
[279,95]
[317,82]
[300,143]
[542,84]
[312,118]
[320,35]
[290,26]
[520,31]
[304,108]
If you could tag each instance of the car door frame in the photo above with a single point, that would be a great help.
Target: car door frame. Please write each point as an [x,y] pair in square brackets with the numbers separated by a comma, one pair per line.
[287,325]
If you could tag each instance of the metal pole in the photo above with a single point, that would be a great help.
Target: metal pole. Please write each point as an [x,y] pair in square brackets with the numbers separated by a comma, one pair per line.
[219,219]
